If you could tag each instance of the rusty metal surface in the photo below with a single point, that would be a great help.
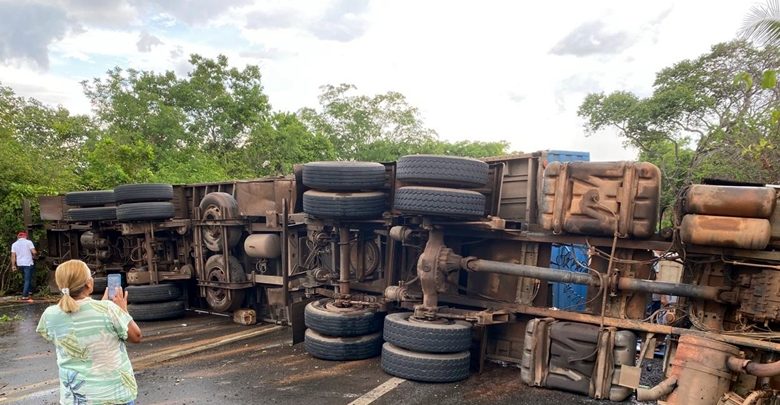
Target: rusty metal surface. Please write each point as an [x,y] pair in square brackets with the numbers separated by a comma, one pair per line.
[519,187]
[634,263]
[52,208]
[700,368]
[344,260]
[639,326]
[577,357]
[731,232]
[500,286]
[431,276]
[730,201]
[181,206]
[256,198]
[597,198]
[627,283]
[680,290]
[760,296]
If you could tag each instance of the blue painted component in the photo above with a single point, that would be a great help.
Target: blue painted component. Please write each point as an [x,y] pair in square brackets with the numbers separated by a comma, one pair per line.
[569,297]
[567,156]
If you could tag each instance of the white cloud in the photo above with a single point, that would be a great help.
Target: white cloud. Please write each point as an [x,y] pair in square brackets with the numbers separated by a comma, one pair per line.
[147,41]
[476,70]
[46,87]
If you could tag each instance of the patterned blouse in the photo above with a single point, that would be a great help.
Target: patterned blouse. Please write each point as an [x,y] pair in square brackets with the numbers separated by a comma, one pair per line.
[91,355]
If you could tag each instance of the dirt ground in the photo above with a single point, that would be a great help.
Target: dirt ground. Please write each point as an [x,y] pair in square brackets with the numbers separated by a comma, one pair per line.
[265,368]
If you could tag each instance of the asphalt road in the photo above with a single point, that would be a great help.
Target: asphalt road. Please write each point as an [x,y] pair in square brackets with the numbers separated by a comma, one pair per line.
[263,369]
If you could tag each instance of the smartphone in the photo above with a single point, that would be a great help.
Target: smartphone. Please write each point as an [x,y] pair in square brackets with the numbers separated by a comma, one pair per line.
[113,281]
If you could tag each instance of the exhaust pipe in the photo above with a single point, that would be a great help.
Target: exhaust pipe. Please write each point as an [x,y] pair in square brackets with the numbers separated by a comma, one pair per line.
[739,365]
[661,390]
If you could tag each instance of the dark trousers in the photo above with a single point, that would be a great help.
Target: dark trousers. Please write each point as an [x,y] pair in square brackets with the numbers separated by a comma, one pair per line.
[27,271]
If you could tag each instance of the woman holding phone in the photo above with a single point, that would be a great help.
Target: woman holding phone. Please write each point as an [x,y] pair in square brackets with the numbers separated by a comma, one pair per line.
[90,336]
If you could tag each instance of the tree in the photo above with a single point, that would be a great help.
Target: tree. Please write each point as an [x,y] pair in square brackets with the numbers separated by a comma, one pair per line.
[762,24]
[41,151]
[713,116]
[273,148]
[357,124]
[382,127]
[207,115]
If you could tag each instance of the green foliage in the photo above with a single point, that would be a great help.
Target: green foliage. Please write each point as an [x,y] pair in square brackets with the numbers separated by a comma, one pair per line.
[274,147]
[212,125]
[382,127]
[110,162]
[763,23]
[169,125]
[713,116]
[5,318]
[41,150]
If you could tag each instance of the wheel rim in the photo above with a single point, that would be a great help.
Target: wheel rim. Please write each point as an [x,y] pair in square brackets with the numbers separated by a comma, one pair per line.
[331,306]
[216,297]
[434,321]
[221,299]
[213,234]
[370,258]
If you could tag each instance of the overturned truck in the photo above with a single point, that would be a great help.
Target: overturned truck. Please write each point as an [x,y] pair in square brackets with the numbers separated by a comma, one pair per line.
[441,263]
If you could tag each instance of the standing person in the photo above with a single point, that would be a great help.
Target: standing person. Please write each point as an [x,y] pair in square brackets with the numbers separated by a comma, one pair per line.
[22,252]
[90,337]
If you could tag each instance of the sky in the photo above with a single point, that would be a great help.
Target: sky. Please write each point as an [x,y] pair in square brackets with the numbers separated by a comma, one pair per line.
[477,70]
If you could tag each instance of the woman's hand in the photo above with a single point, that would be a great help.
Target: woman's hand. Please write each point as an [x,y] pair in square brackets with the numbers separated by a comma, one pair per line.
[120,298]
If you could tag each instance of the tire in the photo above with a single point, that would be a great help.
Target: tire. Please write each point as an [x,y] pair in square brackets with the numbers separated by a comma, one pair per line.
[89,198]
[222,299]
[439,201]
[436,170]
[321,316]
[99,285]
[342,348]
[138,294]
[91,214]
[133,193]
[216,206]
[344,205]
[406,333]
[344,176]
[427,367]
[144,211]
[155,311]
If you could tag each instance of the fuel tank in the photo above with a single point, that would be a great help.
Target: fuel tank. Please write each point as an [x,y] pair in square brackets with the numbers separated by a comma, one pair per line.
[731,201]
[600,198]
[733,232]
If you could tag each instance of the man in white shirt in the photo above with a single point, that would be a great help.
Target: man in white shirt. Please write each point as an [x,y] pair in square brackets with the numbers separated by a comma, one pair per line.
[22,252]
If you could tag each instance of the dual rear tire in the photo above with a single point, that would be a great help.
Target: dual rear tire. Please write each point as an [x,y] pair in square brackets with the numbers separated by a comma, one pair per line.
[435,351]
[155,302]
[342,333]
[434,186]
[344,190]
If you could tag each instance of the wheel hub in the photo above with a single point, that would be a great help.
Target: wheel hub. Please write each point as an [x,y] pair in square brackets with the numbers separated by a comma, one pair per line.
[216,296]
[333,306]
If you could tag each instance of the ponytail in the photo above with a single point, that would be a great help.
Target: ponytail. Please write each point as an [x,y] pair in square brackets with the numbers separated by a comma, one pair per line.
[71,278]
[67,303]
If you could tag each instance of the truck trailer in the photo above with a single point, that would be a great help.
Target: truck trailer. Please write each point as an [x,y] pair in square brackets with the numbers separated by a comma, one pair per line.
[441,263]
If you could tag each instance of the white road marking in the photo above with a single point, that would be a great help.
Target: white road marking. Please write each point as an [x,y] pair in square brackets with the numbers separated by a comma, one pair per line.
[377,392]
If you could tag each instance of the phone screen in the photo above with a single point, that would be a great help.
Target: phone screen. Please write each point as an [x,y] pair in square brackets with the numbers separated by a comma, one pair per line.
[114,281]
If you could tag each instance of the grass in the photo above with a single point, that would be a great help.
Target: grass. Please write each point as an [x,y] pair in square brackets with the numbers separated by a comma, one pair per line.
[5,318]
